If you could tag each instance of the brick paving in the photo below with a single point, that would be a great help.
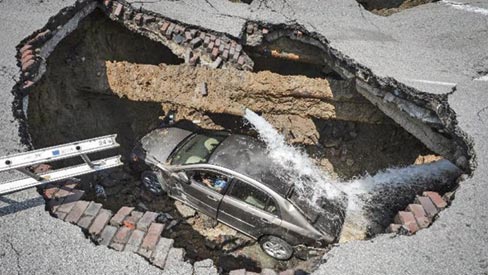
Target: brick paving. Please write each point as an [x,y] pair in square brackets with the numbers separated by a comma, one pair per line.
[127,230]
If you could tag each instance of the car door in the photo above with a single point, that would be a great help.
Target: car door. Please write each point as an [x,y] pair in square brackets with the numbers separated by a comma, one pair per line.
[249,209]
[201,196]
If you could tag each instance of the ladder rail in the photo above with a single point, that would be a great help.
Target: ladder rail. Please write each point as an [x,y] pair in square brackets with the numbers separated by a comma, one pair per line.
[58,152]
[60,174]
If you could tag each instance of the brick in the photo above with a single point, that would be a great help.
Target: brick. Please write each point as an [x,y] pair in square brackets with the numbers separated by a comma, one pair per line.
[210,46]
[134,241]
[240,61]
[120,216]
[236,56]
[132,220]
[107,234]
[206,41]
[196,42]
[118,10]
[419,214]
[27,84]
[238,48]
[100,221]
[77,211]
[161,252]
[60,215]
[69,201]
[407,219]
[164,27]
[264,31]
[107,2]
[194,60]
[215,53]
[217,43]
[138,19]
[436,199]
[188,36]
[221,48]
[178,39]
[146,220]
[232,51]
[50,192]
[225,54]
[428,206]
[287,272]
[203,35]
[393,228]
[170,30]
[212,37]
[27,65]
[151,239]
[25,48]
[26,58]
[85,221]
[121,238]
[93,209]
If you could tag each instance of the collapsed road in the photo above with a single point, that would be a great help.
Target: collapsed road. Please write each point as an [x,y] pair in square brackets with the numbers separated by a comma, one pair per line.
[430,118]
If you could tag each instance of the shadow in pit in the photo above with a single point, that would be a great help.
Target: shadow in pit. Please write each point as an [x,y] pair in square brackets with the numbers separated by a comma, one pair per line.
[354,148]
[73,100]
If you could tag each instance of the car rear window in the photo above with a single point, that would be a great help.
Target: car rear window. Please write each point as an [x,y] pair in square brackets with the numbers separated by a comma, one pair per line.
[198,148]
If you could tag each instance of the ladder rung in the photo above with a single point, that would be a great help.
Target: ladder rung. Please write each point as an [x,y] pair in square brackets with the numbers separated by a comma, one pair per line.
[58,152]
[60,174]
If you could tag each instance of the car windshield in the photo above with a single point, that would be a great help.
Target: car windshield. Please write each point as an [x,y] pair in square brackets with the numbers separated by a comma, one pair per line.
[198,148]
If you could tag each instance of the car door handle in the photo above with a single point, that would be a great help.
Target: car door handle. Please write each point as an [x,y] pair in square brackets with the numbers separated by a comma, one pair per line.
[210,197]
[265,220]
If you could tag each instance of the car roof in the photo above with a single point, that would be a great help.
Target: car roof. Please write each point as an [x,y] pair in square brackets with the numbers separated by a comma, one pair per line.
[248,156]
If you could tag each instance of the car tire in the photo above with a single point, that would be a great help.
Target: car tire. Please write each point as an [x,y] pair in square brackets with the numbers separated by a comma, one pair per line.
[276,247]
[151,181]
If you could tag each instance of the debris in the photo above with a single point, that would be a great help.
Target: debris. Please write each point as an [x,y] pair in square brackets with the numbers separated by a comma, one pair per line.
[164,218]
[203,89]
[100,192]
[185,211]
[172,224]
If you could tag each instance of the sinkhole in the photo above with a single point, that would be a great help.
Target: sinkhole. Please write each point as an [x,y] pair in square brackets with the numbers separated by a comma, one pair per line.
[104,79]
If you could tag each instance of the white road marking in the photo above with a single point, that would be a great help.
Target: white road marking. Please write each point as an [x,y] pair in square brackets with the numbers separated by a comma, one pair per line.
[433,82]
[466,7]
[482,78]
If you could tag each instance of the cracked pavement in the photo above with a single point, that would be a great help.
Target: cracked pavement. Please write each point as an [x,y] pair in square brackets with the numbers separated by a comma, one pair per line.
[436,48]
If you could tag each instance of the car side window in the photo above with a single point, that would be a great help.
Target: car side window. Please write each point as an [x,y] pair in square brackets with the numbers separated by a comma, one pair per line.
[253,196]
[214,181]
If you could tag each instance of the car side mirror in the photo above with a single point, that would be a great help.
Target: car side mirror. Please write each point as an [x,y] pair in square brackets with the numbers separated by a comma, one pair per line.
[182,177]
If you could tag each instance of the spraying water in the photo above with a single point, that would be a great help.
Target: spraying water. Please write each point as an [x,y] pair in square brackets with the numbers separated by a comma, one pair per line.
[371,200]
[309,180]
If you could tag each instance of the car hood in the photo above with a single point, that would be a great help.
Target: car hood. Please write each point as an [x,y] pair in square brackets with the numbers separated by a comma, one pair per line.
[160,143]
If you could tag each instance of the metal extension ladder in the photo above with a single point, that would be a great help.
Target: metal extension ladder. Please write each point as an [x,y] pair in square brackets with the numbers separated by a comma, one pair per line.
[21,161]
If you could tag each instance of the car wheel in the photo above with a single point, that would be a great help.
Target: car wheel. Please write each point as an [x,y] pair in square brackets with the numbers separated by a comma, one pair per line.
[276,247]
[151,182]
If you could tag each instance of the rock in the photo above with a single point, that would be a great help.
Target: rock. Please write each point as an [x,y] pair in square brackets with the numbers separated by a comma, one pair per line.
[164,218]
[142,206]
[185,211]
[172,224]
[100,191]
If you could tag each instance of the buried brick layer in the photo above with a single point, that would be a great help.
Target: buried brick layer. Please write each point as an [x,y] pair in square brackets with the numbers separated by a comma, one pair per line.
[418,215]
